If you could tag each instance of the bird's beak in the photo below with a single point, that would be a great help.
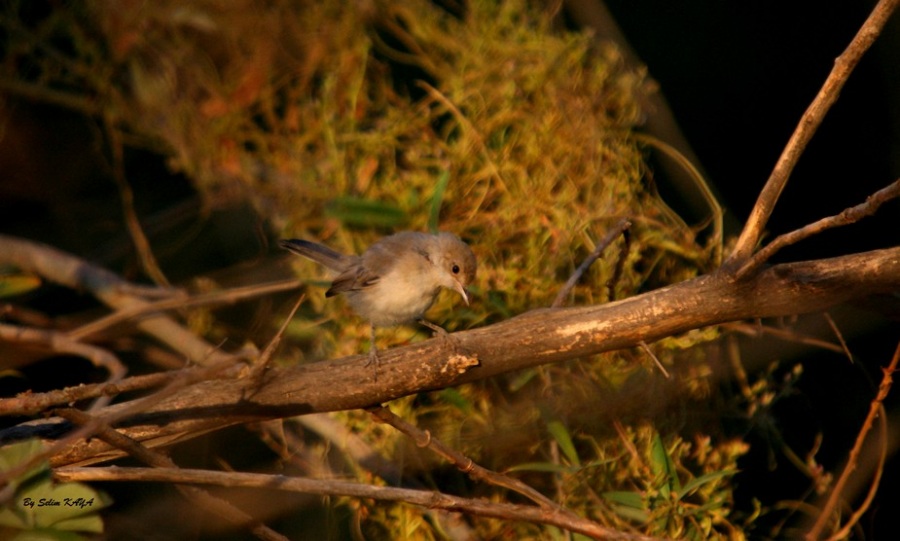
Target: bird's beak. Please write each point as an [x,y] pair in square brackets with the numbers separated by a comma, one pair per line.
[458,287]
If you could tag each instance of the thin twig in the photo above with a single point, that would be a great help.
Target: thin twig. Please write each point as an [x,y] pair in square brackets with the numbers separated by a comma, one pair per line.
[141,244]
[211,503]
[620,264]
[41,93]
[330,487]
[838,334]
[423,438]
[227,296]
[653,356]
[60,343]
[292,448]
[733,354]
[875,407]
[847,216]
[186,379]
[630,447]
[808,125]
[611,236]
[150,291]
[262,362]
[29,403]
[783,334]
[716,216]
[71,271]
[844,532]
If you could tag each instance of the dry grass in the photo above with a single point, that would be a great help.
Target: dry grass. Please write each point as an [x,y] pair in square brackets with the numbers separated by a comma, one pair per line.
[345,121]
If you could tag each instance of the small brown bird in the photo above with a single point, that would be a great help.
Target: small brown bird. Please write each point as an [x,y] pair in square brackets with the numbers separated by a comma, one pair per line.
[398,278]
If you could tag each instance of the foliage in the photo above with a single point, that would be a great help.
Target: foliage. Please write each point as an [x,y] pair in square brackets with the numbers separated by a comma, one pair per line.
[343,121]
[42,509]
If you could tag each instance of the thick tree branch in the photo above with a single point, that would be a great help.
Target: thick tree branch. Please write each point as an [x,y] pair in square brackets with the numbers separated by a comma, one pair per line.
[535,338]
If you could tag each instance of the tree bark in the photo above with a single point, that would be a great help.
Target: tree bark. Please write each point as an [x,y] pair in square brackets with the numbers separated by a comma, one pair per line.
[537,337]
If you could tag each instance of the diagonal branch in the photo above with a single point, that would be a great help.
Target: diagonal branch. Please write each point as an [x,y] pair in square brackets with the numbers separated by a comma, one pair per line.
[330,487]
[808,125]
[109,288]
[228,296]
[462,462]
[535,338]
[126,195]
[620,228]
[847,216]
[220,507]
[61,343]
[876,409]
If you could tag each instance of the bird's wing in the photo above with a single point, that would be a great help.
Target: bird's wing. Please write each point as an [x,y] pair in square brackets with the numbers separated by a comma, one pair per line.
[353,279]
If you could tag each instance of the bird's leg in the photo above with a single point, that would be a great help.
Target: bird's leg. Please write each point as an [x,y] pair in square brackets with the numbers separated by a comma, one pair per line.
[438,330]
[373,352]
[441,334]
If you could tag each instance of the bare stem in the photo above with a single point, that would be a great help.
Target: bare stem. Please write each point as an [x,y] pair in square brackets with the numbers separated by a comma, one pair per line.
[425,498]
[847,216]
[807,127]
[141,243]
[462,462]
[611,235]
[211,503]
[875,407]
[60,343]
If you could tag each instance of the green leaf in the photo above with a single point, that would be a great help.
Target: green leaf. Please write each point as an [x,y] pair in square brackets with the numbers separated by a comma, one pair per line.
[522,379]
[628,498]
[17,453]
[436,200]
[629,505]
[453,397]
[548,467]
[354,211]
[61,507]
[43,507]
[16,284]
[47,535]
[697,482]
[496,301]
[92,523]
[663,467]
[564,440]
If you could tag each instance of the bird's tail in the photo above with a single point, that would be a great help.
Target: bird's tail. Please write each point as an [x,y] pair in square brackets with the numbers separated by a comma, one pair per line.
[319,253]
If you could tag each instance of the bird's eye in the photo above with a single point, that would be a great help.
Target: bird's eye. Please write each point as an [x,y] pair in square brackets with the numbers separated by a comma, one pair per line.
[455,269]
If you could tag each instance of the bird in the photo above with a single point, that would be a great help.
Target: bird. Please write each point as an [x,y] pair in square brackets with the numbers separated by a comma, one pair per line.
[396,279]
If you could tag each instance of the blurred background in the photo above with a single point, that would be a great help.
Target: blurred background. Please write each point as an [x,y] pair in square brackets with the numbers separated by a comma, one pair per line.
[221,163]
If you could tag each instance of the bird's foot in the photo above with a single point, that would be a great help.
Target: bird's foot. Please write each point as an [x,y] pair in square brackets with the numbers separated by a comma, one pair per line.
[373,361]
[446,339]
